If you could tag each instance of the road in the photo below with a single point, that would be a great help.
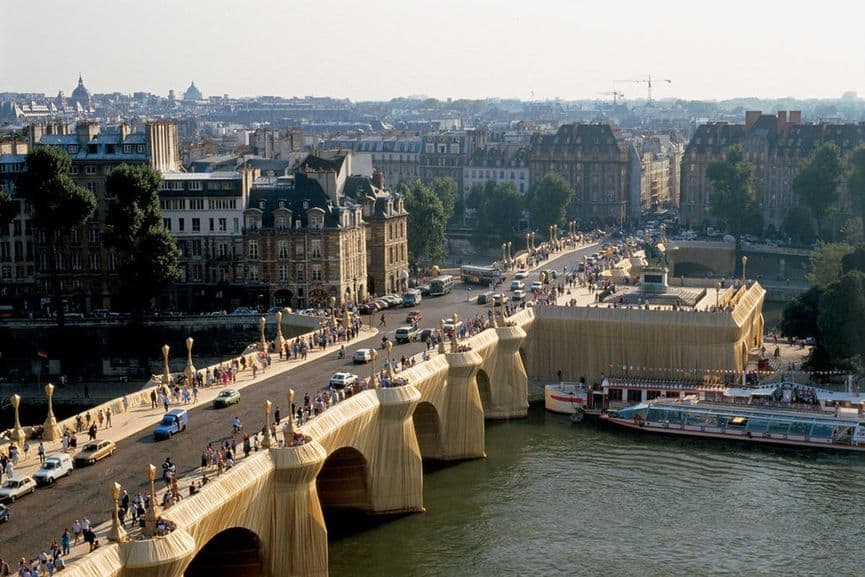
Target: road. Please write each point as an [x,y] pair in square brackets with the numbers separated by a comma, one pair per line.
[41,517]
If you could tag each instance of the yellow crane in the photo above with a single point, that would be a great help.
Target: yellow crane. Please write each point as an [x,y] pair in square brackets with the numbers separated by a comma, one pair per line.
[648,82]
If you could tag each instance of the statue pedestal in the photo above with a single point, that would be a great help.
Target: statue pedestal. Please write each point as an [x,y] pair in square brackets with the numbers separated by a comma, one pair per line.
[654,279]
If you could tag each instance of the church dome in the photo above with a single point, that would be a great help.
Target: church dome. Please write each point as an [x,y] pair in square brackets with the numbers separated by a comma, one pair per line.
[192,93]
[81,95]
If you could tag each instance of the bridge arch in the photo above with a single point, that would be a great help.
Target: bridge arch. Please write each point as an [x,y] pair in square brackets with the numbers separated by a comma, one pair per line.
[342,482]
[693,269]
[234,552]
[427,427]
[484,390]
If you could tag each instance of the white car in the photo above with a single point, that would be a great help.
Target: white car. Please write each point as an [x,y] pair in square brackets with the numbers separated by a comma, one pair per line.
[517,285]
[362,356]
[53,468]
[342,380]
[537,286]
[15,488]
[518,295]
[521,274]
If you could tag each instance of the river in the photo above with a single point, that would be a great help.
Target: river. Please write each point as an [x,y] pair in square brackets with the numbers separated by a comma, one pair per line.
[556,499]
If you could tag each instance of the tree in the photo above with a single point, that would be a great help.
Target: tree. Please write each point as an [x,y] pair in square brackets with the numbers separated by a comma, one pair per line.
[733,201]
[856,181]
[149,254]
[842,317]
[8,207]
[826,263]
[498,209]
[446,190]
[818,183]
[426,223]
[799,318]
[58,206]
[799,225]
[854,260]
[548,200]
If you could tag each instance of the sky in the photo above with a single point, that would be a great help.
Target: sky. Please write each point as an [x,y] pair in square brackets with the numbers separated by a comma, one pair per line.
[381,49]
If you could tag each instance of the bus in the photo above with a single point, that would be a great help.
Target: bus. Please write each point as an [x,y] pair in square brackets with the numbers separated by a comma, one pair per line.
[441,285]
[411,298]
[485,275]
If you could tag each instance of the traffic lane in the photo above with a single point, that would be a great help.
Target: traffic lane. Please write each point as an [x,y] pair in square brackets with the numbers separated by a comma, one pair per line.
[41,517]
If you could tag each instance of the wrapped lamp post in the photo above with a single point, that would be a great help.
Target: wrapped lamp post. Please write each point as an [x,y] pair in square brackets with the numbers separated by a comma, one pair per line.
[280,340]
[268,436]
[117,533]
[289,429]
[152,513]
[454,338]
[50,430]
[372,382]
[166,372]
[441,347]
[18,436]
[262,322]
[189,371]
[389,347]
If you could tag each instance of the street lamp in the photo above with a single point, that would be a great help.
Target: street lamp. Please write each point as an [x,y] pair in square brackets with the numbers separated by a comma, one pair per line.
[288,431]
[50,430]
[280,340]
[189,372]
[744,264]
[372,357]
[152,512]
[268,437]
[388,346]
[261,323]
[117,533]
[19,437]
[166,372]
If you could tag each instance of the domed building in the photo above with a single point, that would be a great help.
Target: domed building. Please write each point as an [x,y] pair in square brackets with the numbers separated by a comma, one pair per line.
[192,93]
[81,96]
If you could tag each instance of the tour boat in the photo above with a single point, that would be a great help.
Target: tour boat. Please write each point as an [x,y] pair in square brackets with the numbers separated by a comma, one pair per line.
[779,414]
[579,399]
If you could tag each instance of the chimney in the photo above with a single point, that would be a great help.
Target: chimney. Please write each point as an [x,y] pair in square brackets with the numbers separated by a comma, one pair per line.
[378,179]
[86,131]
[751,118]
[782,119]
[124,131]
[795,117]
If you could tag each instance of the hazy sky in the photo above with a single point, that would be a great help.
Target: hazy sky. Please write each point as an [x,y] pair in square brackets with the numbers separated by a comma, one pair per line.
[378,49]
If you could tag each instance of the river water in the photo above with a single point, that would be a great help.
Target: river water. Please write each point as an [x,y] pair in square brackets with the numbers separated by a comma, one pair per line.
[555,499]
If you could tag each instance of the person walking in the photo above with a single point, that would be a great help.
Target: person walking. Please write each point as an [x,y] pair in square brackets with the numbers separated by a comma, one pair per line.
[381,321]
[153,399]
[65,541]
[76,531]
[41,452]
[108,418]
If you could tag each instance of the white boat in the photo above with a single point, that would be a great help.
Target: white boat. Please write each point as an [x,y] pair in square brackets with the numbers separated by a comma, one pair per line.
[579,398]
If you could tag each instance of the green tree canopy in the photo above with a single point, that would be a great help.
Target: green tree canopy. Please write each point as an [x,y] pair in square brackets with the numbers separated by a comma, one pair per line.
[856,181]
[799,225]
[818,183]
[854,260]
[842,317]
[58,205]
[446,190]
[799,318]
[150,257]
[733,201]
[826,263]
[498,209]
[548,200]
[426,223]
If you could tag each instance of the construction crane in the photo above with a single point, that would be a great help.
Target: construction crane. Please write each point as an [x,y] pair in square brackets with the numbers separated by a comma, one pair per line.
[648,82]
[614,93]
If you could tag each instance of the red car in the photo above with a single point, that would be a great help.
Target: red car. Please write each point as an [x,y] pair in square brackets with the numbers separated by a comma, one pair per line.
[413,317]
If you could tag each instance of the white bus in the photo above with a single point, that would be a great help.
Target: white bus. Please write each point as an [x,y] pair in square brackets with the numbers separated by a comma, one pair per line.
[485,275]
[441,285]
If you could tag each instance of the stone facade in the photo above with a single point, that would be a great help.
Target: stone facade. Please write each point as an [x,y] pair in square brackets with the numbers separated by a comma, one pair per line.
[446,154]
[499,162]
[596,160]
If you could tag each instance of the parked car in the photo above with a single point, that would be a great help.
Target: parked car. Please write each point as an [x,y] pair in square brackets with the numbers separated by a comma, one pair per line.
[521,274]
[366,309]
[426,334]
[381,304]
[517,285]
[15,488]
[424,290]
[4,513]
[173,422]
[244,311]
[225,398]
[413,316]
[342,380]
[362,356]
[94,451]
[393,300]
[53,468]
[406,334]
[518,295]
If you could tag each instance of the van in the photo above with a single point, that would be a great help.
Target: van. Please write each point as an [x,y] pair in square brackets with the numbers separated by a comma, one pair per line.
[411,298]
[174,421]
[53,468]
[484,298]
[406,334]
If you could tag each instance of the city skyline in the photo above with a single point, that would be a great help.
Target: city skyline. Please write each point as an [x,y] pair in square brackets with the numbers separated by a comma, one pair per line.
[382,49]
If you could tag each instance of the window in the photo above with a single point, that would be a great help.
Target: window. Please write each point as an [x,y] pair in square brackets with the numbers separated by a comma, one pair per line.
[196,247]
[196,273]
[211,225]
[196,225]
[315,248]
[76,260]
[299,276]
[236,224]
[172,204]
[93,187]
[299,248]
[316,221]
[112,261]
[196,203]
[222,249]
[166,222]
[93,236]
[283,249]
[252,249]
[253,272]
[195,185]
[94,261]
[180,225]
[73,170]
[316,272]
[89,169]
[223,225]
[283,273]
